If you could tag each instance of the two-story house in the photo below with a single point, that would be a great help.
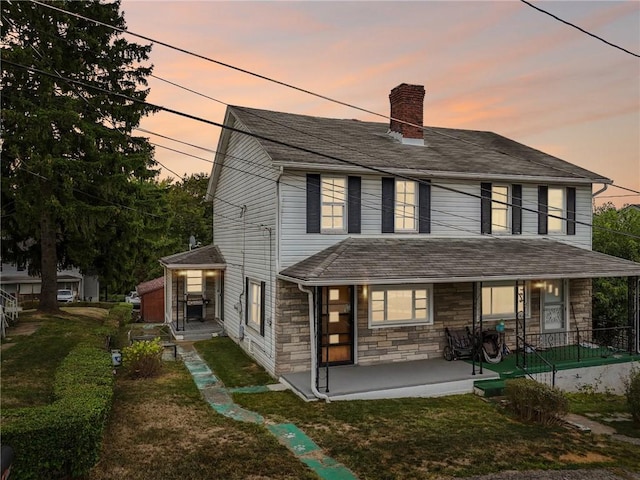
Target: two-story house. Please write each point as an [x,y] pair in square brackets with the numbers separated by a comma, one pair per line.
[339,242]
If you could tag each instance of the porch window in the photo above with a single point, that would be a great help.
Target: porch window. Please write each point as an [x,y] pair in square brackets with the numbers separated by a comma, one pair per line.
[499,300]
[194,281]
[499,209]
[393,305]
[406,206]
[333,194]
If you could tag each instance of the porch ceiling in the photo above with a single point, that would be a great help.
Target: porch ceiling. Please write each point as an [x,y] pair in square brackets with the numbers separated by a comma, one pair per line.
[439,260]
[201,258]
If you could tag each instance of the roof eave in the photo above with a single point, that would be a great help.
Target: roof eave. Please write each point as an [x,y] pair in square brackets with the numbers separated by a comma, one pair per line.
[191,266]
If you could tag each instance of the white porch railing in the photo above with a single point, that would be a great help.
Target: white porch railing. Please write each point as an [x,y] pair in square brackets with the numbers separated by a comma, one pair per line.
[8,311]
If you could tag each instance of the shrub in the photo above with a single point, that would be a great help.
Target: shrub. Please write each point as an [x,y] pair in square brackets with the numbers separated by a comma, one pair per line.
[533,401]
[121,313]
[633,394]
[143,359]
[63,439]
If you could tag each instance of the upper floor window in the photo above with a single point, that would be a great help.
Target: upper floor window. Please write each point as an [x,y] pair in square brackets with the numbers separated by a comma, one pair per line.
[499,208]
[406,206]
[392,305]
[556,207]
[333,194]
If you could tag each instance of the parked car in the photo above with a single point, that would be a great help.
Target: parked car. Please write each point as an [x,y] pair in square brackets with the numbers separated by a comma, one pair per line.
[133,298]
[66,296]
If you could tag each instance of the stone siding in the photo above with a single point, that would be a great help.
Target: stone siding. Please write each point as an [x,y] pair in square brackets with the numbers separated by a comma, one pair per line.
[293,346]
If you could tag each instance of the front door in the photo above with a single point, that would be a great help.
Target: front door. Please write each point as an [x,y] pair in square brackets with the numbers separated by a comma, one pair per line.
[552,308]
[336,325]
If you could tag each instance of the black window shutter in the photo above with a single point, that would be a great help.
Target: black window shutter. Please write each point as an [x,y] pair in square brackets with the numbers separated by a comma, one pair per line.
[516,209]
[485,208]
[246,300]
[262,306]
[388,201]
[424,207]
[221,296]
[313,203]
[571,211]
[354,204]
[543,210]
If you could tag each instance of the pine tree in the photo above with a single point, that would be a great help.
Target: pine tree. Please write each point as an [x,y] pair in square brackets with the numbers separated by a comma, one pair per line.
[72,172]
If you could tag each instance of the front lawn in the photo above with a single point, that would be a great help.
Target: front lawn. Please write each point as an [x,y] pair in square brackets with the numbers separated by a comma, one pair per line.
[422,438]
[608,409]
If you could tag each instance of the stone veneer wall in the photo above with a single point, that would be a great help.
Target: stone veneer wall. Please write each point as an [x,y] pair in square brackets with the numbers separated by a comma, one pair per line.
[453,305]
[293,346]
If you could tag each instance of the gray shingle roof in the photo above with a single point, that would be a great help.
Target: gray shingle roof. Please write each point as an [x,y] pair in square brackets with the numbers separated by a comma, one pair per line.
[403,260]
[448,151]
[203,256]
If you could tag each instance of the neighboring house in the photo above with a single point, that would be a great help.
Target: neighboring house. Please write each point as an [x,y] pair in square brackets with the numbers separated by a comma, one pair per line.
[343,242]
[151,295]
[15,280]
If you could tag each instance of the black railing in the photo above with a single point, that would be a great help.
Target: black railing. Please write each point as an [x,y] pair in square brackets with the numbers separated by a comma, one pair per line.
[541,352]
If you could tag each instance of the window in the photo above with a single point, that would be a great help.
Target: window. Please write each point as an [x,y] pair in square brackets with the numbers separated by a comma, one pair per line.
[556,206]
[406,206]
[391,306]
[499,300]
[255,304]
[333,194]
[499,209]
[194,281]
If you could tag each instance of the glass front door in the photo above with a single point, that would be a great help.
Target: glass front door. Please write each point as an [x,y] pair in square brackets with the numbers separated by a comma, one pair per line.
[336,325]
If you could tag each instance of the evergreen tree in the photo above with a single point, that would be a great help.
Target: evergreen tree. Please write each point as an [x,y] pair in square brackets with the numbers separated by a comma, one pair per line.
[73,176]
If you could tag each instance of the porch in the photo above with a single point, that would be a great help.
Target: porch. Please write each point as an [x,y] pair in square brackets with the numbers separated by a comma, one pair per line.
[418,378]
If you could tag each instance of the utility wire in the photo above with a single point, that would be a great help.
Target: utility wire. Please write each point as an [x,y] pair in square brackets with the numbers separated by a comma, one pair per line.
[263,77]
[284,144]
[580,28]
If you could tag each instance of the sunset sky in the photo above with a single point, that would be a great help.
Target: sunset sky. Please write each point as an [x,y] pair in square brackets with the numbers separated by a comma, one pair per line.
[500,66]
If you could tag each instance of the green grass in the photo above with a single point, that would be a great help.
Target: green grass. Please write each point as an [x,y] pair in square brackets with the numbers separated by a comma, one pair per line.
[162,429]
[603,407]
[234,367]
[423,438]
[28,367]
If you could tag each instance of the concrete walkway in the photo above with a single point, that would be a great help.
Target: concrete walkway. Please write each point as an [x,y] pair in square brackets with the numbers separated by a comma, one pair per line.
[220,399]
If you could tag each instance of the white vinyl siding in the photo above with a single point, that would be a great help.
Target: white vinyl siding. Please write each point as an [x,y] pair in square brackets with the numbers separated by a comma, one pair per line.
[244,228]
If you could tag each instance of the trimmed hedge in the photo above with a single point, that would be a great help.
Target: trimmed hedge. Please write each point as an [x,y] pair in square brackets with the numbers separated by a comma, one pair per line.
[633,394]
[121,313]
[533,401]
[63,439]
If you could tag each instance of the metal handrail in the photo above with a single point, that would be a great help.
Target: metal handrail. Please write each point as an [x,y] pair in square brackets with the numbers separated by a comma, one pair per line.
[549,365]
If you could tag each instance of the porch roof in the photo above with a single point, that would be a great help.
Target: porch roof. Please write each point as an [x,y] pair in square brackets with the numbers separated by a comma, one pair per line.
[201,258]
[359,261]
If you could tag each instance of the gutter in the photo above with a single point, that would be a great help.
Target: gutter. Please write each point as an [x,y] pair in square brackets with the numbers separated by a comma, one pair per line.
[314,352]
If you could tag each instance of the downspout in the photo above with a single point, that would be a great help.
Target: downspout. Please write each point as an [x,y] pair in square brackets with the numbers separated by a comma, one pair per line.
[314,344]
[605,186]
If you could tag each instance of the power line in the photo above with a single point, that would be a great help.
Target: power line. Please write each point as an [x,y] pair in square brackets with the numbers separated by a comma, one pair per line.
[288,145]
[580,28]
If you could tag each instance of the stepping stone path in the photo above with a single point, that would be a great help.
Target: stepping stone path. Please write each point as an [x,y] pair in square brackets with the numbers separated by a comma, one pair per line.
[220,399]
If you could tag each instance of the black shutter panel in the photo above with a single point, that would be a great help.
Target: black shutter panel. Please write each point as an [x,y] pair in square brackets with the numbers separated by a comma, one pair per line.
[262,306]
[543,210]
[485,208]
[516,209]
[571,211]
[388,201]
[221,296]
[246,300]
[424,207]
[313,203]
[354,204]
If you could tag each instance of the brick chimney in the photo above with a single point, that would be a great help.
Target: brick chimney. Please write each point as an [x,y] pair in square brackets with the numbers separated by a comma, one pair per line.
[407,104]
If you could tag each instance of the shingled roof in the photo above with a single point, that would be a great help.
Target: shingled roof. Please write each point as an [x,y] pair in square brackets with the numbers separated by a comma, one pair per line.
[447,152]
[429,260]
[202,257]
